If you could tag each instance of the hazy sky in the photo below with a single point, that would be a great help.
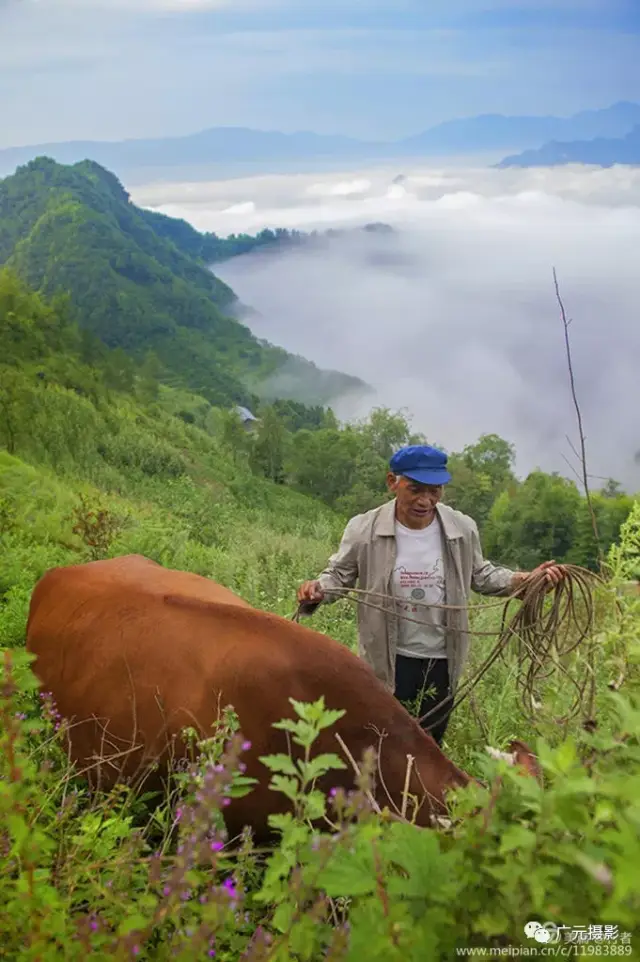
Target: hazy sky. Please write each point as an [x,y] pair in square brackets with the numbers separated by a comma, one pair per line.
[454,317]
[111,69]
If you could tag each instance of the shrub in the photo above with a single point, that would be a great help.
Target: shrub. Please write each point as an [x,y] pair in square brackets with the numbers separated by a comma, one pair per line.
[89,878]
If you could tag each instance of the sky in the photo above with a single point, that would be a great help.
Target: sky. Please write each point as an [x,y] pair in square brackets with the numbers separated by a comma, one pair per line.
[115,69]
[453,318]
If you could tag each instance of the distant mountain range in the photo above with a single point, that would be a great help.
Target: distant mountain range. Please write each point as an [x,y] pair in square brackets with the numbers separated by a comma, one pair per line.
[224,145]
[601,151]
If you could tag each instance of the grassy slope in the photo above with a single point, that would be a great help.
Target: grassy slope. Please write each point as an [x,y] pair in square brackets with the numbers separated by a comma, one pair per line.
[182,498]
[179,497]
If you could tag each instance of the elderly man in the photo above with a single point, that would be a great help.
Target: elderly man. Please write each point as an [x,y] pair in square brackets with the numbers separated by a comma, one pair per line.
[410,553]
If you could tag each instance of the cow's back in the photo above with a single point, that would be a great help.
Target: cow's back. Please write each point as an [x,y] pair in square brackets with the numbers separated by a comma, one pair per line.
[110,647]
[134,652]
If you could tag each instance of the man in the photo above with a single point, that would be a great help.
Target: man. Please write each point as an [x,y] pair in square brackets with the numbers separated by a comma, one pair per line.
[409,553]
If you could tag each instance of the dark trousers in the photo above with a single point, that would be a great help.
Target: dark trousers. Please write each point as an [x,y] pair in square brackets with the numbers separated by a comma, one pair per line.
[421,684]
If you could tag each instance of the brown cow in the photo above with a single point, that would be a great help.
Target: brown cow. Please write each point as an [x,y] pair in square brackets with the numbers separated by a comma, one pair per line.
[133,652]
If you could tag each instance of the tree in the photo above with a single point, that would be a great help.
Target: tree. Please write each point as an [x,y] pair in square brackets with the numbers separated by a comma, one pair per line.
[234,435]
[11,409]
[480,473]
[119,371]
[611,511]
[322,463]
[269,446]
[534,522]
[148,386]
[386,432]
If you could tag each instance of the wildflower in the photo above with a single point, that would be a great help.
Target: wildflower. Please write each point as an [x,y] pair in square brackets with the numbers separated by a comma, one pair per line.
[333,792]
[166,890]
[246,746]
[231,889]
[216,846]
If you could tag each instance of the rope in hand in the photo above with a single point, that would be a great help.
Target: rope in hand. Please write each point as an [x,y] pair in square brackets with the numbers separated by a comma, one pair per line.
[547,631]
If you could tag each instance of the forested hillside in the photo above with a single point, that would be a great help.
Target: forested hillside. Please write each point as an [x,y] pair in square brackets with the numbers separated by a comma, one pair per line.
[70,405]
[212,249]
[74,230]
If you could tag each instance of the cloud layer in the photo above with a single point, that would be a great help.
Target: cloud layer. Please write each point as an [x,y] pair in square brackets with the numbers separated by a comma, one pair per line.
[453,316]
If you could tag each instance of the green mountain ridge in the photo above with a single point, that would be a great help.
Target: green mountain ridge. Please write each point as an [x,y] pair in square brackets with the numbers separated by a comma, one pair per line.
[136,284]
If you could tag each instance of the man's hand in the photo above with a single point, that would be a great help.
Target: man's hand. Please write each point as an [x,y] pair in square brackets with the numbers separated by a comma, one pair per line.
[553,575]
[310,593]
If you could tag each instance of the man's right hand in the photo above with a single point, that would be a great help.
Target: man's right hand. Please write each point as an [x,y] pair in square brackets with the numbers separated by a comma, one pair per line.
[310,593]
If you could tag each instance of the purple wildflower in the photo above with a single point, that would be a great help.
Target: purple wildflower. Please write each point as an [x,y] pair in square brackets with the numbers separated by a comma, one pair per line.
[231,889]
[246,746]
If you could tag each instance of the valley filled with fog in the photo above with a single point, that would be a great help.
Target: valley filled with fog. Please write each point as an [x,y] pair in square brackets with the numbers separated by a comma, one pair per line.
[452,315]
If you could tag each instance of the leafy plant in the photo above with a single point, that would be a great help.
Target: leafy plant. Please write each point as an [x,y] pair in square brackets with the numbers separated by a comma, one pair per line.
[96,527]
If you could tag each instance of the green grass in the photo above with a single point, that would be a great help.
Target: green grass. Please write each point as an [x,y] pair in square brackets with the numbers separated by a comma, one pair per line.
[100,877]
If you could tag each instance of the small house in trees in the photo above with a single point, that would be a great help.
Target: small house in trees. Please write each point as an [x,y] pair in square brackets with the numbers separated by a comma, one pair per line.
[249,421]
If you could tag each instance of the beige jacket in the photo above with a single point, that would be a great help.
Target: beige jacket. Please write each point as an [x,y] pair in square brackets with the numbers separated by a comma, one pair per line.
[366,558]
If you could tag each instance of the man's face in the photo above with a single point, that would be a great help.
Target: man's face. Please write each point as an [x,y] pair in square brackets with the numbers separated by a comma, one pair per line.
[415,502]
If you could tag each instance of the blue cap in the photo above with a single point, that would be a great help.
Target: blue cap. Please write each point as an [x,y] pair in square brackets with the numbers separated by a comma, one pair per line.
[421,463]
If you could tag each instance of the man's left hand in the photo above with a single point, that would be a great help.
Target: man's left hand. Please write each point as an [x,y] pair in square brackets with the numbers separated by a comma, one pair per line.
[553,575]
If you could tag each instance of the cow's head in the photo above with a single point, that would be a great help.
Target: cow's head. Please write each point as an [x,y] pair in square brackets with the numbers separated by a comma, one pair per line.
[520,756]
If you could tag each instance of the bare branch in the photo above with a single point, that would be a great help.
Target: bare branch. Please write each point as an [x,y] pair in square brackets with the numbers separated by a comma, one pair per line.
[571,467]
[583,451]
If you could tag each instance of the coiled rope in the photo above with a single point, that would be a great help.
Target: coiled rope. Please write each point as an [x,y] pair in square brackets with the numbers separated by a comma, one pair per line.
[550,626]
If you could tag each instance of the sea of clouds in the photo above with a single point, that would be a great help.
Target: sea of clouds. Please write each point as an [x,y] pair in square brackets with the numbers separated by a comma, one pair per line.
[453,316]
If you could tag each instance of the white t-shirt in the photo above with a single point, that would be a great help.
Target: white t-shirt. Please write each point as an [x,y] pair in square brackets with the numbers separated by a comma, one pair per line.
[419,576]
